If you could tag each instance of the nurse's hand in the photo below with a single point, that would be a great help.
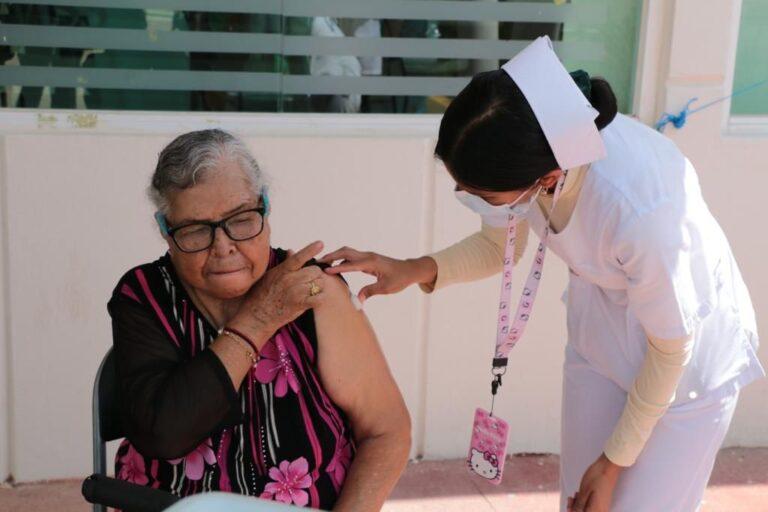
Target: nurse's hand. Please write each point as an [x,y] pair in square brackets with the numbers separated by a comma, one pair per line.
[597,485]
[392,275]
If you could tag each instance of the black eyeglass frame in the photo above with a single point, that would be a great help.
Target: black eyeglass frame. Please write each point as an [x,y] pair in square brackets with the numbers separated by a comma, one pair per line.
[212,226]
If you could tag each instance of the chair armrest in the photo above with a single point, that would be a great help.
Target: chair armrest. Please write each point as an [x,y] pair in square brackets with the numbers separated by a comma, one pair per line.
[125,496]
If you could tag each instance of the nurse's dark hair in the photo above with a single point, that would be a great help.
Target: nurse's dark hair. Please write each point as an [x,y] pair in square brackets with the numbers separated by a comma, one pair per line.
[491,140]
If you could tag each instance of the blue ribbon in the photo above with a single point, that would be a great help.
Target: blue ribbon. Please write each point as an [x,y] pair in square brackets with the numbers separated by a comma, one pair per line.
[679,120]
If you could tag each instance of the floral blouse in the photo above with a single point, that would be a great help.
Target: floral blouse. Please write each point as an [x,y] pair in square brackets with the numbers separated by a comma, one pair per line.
[279,437]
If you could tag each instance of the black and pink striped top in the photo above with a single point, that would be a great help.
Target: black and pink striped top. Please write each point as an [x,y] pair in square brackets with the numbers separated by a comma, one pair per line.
[188,431]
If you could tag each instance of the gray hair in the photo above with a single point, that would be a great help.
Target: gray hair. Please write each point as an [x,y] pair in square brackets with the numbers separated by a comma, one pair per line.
[191,156]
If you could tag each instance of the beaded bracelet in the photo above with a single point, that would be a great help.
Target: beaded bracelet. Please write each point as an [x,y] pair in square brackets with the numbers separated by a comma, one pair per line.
[243,342]
[244,337]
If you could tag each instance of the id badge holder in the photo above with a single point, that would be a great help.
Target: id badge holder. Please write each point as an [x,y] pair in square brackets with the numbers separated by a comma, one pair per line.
[488,447]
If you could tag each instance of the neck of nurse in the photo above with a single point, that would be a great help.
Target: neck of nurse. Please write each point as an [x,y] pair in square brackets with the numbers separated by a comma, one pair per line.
[568,198]
[574,180]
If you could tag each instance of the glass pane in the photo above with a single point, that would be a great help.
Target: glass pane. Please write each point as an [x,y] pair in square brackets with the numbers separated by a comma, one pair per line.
[618,33]
[587,37]
[750,82]
[340,66]
[106,41]
[410,58]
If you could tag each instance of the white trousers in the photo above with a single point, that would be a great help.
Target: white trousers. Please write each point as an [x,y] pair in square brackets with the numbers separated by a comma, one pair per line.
[672,471]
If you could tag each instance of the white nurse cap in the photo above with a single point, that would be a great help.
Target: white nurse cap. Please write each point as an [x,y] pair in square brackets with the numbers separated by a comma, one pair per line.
[564,113]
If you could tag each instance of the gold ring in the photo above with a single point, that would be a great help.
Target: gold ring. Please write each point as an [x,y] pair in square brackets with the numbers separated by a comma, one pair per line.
[314,289]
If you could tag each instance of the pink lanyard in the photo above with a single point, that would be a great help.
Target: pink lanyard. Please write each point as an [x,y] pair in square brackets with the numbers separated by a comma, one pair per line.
[508,335]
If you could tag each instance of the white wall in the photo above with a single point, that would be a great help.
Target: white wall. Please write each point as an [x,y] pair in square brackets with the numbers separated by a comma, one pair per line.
[5,364]
[75,217]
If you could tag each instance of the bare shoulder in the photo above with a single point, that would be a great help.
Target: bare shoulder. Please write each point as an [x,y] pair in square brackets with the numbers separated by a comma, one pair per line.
[335,295]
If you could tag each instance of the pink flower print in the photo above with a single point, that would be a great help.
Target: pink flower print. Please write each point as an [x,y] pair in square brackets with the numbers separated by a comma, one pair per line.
[275,365]
[340,463]
[133,469]
[290,480]
[194,462]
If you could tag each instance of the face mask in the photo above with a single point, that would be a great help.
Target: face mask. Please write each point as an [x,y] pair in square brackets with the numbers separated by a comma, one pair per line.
[497,215]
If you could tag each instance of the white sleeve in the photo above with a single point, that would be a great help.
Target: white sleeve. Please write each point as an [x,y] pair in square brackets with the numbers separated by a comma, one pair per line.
[656,256]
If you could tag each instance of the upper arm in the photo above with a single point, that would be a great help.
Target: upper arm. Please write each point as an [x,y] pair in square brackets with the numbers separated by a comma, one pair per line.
[476,257]
[497,239]
[352,366]
[658,258]
[168,402]
[141,347]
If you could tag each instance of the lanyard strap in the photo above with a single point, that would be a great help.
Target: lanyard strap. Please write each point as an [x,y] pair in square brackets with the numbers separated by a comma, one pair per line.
[510,330]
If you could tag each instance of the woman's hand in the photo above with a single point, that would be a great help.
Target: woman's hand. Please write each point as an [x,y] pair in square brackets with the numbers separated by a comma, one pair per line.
[597,485]
[282,294]
[392,275]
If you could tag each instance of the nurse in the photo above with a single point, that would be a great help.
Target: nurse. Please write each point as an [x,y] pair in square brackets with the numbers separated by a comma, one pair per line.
[661,329]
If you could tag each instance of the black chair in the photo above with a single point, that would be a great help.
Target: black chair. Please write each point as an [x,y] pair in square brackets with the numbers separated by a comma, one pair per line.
[98,489]
[105,412]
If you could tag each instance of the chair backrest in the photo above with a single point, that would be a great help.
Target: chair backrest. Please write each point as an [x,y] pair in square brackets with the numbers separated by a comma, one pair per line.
[106,416]
[111,426]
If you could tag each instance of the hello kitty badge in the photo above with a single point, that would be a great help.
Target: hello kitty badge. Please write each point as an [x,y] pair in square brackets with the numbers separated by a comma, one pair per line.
[488,447]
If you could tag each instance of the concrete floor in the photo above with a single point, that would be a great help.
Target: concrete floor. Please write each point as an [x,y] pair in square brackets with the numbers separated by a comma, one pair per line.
[739,484]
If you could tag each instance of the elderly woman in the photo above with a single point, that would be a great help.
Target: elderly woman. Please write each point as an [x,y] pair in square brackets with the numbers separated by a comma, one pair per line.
[244,368]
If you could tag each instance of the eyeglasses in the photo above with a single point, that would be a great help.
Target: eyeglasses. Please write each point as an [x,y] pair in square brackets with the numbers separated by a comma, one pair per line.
[199,236]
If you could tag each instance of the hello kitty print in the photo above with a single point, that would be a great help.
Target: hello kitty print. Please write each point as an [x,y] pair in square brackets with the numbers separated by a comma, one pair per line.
[488,447]
[484,464]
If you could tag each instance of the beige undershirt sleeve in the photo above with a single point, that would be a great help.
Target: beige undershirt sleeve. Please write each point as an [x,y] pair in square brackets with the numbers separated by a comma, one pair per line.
[476,257]
[651,395]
